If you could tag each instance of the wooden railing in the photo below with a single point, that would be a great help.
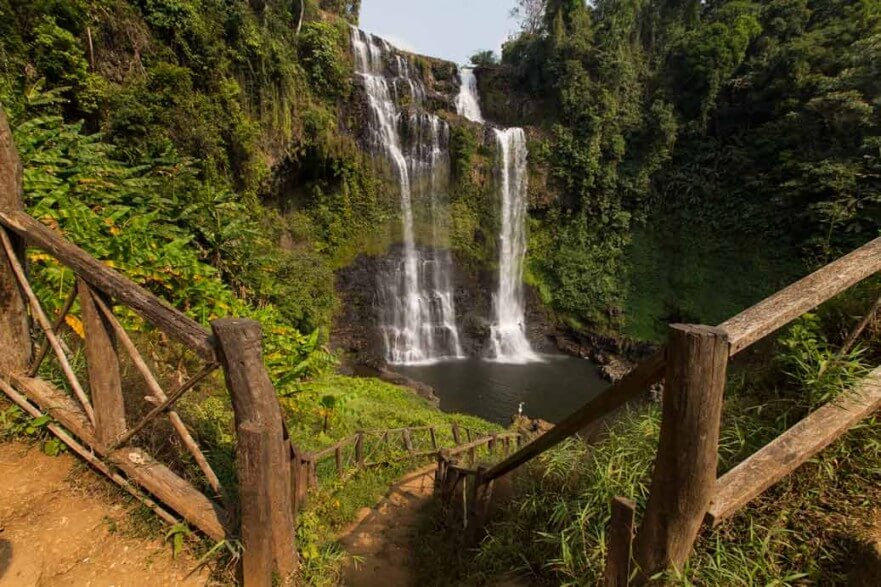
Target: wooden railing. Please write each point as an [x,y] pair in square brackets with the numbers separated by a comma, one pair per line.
[684,488]
[89,411]
[372,448]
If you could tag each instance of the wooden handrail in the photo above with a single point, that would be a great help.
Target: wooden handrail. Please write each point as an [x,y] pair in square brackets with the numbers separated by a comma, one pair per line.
[629,387]
[743,330]
[265,517]
[326,452]
[479,442]
[793,448]
[166,318]
[802,296]
[139,467]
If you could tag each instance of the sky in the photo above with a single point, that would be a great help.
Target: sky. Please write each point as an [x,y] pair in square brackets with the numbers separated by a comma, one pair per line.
[449,29]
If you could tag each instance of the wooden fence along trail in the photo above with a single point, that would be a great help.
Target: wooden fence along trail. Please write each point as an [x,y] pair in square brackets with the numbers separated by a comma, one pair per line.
[274,474]
[685,492]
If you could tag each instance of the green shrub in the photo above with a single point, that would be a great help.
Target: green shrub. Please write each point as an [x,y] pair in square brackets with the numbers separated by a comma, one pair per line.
[321,49]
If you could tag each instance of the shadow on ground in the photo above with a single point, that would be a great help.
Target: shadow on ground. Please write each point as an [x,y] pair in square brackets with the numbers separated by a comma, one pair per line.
[5,556]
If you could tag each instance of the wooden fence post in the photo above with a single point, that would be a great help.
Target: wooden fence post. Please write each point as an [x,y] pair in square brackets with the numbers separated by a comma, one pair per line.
[620,542]
[15,336]
[262,455]
[684,474]
[102,361]
[359,450]
[457,438]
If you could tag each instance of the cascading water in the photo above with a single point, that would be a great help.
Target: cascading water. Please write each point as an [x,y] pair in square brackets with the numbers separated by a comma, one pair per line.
[417,313]
[509,341]
[467,102]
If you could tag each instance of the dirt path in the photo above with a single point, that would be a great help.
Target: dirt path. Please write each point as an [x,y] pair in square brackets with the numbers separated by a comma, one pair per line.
[59,526]
[383,535]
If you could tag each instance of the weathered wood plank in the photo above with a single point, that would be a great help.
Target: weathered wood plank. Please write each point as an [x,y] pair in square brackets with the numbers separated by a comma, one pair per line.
[855,334]
[87,454]
[178,493]
[15,338]
[46,326]
[793,448]
[327,451]
[159,395]
[617,572]
[104,279]
[802,296]
[408,442]
[469,447]
[165,406]
[618,394]
[263,459]
[102,362]
[359,449]
[139,467]
[56,325]
[684,474]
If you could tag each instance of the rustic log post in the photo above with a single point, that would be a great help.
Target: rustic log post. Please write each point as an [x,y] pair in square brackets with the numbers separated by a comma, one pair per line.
[439,472]
[102,361]
[262,455]
[408,442]
[685,466]
[338,457]
[15,326]
[457,438]
[313,474]
[620,542]
[299,482]
[491,445]
[481,496]
[359,449]
[433,438]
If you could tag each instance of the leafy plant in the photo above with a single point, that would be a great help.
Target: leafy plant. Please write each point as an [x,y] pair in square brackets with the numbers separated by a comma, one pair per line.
[15,423]
[815,366]
[176,535]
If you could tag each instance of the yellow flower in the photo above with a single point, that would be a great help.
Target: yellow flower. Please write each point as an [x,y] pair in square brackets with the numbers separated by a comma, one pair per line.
[75,325]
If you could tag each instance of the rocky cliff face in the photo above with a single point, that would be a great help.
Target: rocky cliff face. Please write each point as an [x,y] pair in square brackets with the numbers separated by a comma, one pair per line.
[356,335]
[470,218]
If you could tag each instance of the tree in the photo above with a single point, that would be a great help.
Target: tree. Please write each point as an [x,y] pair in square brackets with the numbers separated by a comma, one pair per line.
[485,57]
[531,14]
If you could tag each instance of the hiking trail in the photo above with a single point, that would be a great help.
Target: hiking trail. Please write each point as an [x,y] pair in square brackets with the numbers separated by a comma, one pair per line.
[59,526]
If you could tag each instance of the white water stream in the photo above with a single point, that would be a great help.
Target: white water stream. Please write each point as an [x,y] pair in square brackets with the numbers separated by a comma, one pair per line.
[417,313]
[508,332]
[509,341]
[468,102]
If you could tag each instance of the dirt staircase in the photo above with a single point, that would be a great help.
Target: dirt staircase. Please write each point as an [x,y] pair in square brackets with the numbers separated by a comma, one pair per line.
[60,526]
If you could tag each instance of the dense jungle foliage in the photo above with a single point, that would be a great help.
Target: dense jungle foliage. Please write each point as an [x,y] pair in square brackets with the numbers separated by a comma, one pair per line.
[709,150]
[687,158]
[150,133]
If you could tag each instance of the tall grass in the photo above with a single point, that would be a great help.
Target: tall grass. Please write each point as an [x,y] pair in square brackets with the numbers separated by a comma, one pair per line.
[553,530]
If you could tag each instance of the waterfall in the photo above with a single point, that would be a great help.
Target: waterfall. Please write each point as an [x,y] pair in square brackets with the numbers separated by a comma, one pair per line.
[417,313]
[467,102]
[509,341]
